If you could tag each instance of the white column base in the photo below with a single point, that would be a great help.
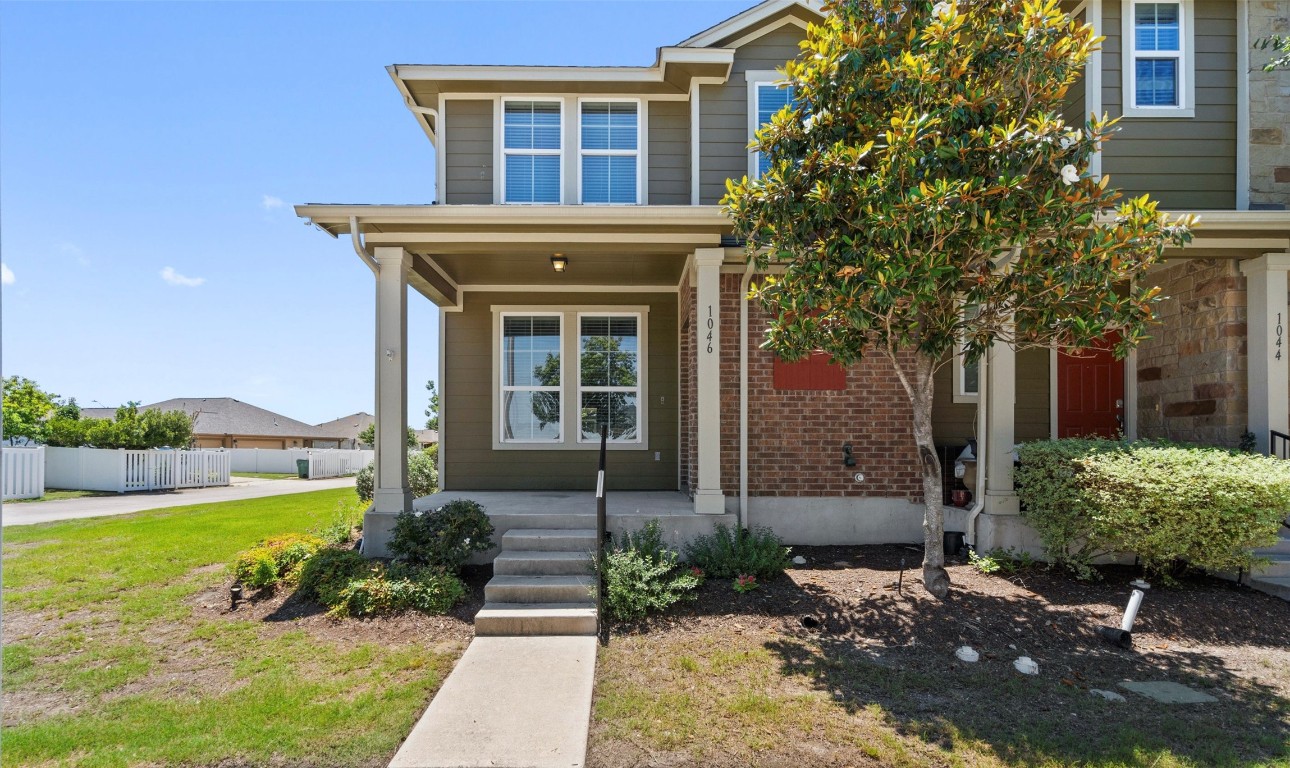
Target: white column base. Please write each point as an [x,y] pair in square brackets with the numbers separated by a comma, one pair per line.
[1002,503]
[1002,531]
[378,520]
[709,503]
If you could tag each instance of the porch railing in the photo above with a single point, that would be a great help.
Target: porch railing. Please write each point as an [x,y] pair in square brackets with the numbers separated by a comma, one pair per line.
[1279,445]
[602,627]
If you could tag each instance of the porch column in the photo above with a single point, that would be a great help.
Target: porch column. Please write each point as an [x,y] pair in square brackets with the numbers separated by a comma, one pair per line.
[392,494]
[708,499]
[1001,432]
[1266,318]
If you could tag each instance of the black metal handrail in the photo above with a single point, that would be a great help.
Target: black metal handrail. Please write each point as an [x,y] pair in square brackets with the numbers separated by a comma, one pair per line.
[1283,440]
[601,626]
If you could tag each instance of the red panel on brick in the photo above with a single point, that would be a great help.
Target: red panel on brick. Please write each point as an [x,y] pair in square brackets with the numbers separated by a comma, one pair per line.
[814,372]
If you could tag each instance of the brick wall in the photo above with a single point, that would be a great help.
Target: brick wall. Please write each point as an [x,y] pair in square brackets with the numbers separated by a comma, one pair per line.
[795,437]
[1269,111]
[1192,374]
[688,388]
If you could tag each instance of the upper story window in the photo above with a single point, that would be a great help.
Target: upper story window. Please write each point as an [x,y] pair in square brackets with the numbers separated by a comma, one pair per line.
[967,373]
[609,155]
[1159,60]
[531,146]
[766,96]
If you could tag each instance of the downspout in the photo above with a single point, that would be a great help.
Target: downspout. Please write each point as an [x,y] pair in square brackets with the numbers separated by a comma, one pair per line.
[743,394]
[360,248]
[982,420]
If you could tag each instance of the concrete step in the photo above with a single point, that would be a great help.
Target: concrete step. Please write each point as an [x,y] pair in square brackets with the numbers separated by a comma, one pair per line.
[523,563]
[1282,547]
[538,589]
[1277,586]
[1279,565]
[536,619]
[549,540]
[559,520]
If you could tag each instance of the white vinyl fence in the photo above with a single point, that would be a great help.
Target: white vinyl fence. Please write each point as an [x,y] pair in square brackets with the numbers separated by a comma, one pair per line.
[24,472]
[323,462]
[101,469]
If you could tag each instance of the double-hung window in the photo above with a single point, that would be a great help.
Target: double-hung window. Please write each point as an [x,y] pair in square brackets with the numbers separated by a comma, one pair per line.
[532,378]
[531,149]
[1159,61]
[609,152]
[767,94]
[609,376]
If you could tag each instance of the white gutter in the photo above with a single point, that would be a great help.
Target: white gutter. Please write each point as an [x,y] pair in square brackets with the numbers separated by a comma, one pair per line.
[743,394]
[982,403]
[357,238]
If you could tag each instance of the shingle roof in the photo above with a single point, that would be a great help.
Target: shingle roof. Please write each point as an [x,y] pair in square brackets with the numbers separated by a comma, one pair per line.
[227,416]
[347,426]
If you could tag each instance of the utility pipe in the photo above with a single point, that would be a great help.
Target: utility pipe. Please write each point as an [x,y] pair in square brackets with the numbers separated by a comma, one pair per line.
[743,394]
[360,248]
[982,422]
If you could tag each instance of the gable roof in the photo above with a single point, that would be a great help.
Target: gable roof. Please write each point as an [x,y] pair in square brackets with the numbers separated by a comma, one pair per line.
[757,15]
[347,427]
[228,416]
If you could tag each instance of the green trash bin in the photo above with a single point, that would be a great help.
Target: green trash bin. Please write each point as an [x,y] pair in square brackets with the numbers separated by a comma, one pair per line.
[302,468]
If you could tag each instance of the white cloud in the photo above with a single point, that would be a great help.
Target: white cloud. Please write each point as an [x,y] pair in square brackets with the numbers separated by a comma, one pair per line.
[271,203]
[174,278]
[6,274]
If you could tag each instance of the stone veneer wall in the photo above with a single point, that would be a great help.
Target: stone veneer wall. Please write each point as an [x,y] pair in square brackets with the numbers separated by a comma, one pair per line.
[795,437]
[1192,373]
[1269,111]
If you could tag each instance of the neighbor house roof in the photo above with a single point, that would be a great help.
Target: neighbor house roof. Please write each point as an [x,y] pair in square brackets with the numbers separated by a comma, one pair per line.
[228,416]
[349,426]
[427,436]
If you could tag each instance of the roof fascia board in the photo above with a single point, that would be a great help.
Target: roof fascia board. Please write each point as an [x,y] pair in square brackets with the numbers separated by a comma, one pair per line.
[766,30]
[748,18]
[423,119]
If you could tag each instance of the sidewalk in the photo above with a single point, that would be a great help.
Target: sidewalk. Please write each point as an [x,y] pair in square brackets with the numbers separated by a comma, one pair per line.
[28,513]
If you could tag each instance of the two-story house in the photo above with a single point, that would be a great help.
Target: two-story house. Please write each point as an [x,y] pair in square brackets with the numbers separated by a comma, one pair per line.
[585,274]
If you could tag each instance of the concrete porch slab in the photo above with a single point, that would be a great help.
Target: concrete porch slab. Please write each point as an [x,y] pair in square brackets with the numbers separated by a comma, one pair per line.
[510,701]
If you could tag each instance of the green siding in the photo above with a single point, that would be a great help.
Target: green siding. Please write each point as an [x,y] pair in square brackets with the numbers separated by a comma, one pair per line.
[1185,163]
[954,423]
[470,463]
[669,153]
[723,110]
[468,151]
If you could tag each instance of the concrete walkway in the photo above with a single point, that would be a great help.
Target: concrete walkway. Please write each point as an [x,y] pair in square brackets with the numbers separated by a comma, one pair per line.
[510,702]
[27,513]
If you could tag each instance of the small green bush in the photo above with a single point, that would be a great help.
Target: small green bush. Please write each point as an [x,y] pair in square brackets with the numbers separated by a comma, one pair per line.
[729,553]
[339,528]
[399,589]
[442,538]
[276,559]
[641,575]
[325,575]
[1162,502]
[998,560]
[423,475]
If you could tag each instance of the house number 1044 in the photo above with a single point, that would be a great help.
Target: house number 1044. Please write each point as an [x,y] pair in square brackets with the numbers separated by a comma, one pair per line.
[1278,332]
[712,324]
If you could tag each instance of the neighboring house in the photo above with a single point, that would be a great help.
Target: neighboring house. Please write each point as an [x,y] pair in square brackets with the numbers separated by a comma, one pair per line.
[347,429]
[427,437]
[222,422]
[585,273]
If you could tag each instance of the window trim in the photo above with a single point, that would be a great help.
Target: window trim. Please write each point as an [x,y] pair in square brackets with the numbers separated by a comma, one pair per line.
[755,79]
[503,152]
[961,395]
[570,417]
[638,152]
[640,377]
[501,388]
[1186,62]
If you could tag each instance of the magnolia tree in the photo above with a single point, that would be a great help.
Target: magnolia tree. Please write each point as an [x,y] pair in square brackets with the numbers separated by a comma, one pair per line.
[925,198]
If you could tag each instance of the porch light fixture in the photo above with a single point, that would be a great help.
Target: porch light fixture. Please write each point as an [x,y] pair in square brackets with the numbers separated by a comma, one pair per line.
[559,263]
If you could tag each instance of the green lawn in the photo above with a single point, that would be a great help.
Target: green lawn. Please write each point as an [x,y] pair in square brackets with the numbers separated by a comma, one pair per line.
[111,659]
[54,494]
[266,475]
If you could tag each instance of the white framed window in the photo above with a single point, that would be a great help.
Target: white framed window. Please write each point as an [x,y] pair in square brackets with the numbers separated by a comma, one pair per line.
[532,151]
[609,156]
[561,372]
[1159,58]
[532,378]
[609,376]
[767,94]
[967,373]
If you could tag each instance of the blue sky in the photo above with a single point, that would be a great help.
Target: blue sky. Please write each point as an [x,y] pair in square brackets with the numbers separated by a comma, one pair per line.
[150,154]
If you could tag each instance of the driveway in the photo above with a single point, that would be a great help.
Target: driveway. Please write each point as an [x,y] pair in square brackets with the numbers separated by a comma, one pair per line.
[31,512]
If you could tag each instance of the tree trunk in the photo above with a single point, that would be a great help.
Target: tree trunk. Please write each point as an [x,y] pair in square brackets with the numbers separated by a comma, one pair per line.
[920,389]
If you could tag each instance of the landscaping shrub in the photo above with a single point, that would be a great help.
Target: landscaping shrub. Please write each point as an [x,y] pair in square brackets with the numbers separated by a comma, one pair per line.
[325,575]
[442,538]
[423,475]
[399,588]
[275,559]
[728,553]
[1160,501]
[132,429]
[642,575]
[340,527]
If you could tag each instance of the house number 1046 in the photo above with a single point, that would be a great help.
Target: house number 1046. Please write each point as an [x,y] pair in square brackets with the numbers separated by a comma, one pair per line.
[712,324]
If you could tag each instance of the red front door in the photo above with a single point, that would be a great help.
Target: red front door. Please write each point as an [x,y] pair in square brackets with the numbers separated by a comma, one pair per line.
[1090,392]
